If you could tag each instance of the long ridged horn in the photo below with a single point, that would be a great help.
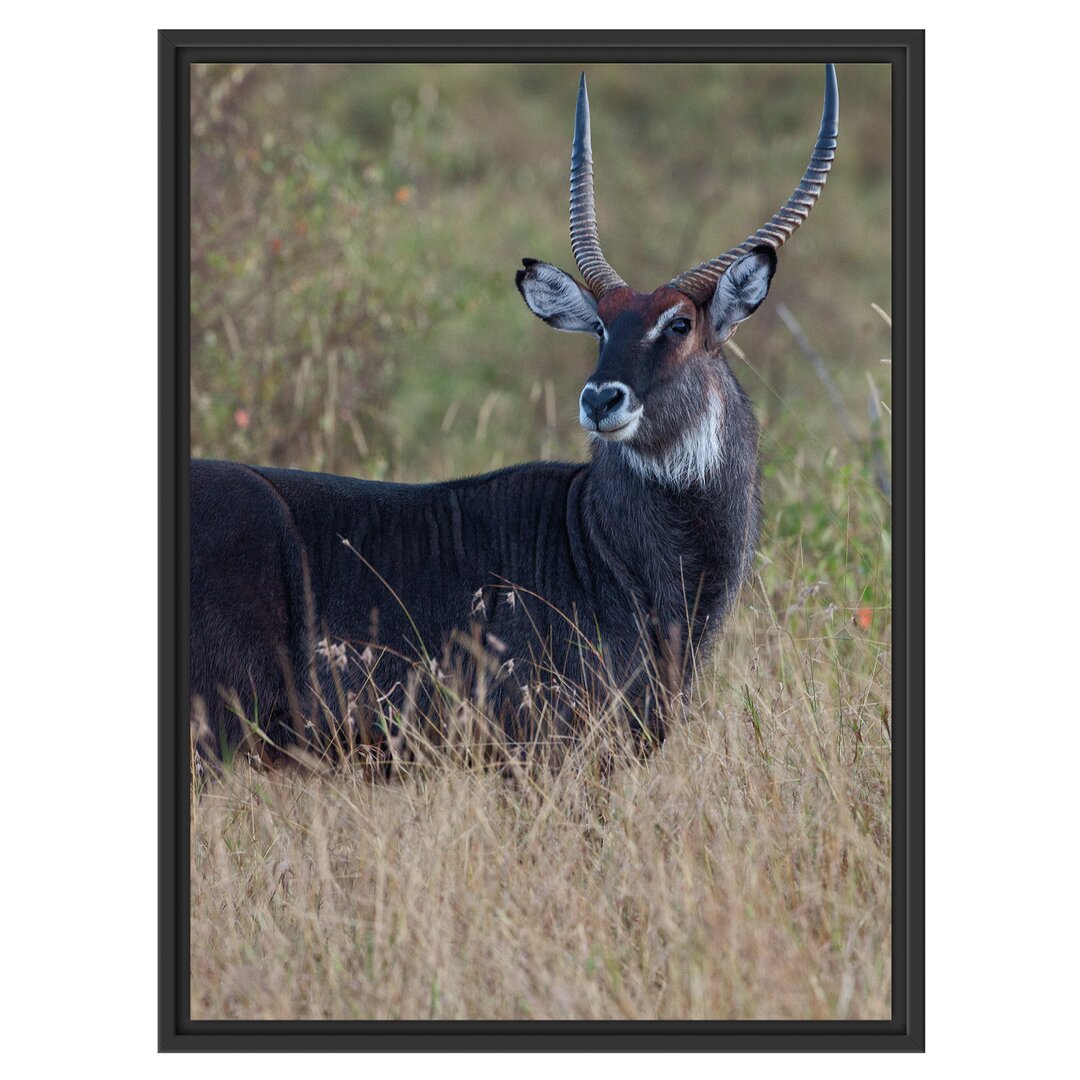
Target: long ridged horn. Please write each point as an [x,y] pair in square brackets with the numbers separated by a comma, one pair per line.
[584,239]
[700,283]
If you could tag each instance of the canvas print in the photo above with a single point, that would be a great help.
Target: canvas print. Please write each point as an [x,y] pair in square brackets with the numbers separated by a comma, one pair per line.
[540,594]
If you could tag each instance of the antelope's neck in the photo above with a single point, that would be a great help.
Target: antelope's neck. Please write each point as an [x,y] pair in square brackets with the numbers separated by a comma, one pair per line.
[684,536]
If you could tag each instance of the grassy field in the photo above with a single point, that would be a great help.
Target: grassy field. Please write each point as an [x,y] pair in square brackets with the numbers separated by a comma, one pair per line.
[354,237]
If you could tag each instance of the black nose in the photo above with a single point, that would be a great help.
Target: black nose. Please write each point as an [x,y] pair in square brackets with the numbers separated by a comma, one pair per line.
[598,403]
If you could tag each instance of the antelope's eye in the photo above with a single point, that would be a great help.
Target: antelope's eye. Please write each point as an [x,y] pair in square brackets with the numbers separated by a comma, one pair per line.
[680,326]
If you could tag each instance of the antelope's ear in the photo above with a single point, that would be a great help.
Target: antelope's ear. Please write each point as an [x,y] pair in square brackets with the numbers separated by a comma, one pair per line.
[557,298]
[740,290]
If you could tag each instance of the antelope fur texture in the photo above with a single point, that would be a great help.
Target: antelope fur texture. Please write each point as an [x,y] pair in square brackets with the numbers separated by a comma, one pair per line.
[549,583]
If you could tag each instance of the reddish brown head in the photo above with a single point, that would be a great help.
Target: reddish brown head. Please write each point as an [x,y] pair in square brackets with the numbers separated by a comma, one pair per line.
[660,381]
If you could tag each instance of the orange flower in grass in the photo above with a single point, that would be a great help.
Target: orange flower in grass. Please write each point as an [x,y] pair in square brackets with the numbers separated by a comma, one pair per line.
[865,617]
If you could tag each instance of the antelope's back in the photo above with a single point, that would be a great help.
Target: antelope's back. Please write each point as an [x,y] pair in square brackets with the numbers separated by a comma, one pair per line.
[282,560]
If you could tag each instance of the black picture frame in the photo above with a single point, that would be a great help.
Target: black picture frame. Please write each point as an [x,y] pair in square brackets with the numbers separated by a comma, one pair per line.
[904,51]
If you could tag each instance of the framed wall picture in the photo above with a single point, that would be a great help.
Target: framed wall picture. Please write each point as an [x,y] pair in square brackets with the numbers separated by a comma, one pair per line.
[541,687]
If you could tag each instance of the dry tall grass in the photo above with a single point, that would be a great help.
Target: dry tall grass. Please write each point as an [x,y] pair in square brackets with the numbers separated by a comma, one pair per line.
[742,871]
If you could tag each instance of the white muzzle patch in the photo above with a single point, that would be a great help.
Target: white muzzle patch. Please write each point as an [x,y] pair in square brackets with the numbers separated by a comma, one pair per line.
[620,423]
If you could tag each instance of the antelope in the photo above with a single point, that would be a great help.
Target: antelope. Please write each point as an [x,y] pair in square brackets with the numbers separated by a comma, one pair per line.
[546,582]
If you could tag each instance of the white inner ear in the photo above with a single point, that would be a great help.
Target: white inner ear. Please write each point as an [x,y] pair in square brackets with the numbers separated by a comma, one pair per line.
[740,292]
[557,298]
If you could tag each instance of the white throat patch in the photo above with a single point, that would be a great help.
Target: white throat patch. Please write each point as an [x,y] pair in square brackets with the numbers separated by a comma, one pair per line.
[694,459]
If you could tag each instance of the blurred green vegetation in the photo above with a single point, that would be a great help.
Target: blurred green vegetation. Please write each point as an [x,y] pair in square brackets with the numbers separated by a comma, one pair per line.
[356,229]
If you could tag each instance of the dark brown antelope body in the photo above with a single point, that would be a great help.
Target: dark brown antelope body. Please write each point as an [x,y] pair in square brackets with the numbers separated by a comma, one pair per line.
[542,585]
